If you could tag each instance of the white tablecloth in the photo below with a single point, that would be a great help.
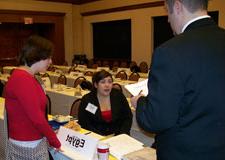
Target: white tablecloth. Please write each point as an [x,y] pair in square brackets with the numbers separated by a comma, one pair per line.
[62,99]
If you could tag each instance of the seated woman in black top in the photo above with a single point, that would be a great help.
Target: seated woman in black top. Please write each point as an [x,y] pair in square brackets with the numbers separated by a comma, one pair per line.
[105,110]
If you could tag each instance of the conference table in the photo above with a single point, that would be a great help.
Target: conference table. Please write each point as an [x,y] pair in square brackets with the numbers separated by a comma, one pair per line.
[136,132]
[62,98]
[72,77]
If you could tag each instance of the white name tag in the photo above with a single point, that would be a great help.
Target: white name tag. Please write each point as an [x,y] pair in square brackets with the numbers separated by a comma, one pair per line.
[76,144]
[91,108]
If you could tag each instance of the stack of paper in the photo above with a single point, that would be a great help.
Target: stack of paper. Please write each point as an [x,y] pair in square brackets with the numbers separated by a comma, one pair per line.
[122,144]
[138,88]
[142,154]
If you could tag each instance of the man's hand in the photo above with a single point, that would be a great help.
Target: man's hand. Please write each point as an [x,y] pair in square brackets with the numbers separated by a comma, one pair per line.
[133,100]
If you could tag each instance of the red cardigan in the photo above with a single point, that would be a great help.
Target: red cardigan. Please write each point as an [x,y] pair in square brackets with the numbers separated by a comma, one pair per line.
[25,104]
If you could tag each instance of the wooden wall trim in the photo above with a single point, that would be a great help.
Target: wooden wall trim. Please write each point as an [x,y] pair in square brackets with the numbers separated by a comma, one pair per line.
[124,8]
[22,12]
[71,1]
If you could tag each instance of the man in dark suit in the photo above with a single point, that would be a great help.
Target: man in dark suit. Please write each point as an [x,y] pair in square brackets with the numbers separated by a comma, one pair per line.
[185,106]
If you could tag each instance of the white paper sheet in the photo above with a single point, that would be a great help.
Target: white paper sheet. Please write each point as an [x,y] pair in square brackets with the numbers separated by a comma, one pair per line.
[138,87]
[122,144]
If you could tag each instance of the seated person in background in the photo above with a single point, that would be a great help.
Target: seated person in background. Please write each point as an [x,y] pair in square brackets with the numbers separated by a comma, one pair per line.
[105,110]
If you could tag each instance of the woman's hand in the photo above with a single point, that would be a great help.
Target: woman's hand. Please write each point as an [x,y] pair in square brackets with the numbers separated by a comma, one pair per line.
[58,150]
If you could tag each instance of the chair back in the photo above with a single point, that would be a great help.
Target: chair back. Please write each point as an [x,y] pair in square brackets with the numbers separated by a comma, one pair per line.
[89,73]
[51,68]
[99,62]
[1,89]
[45,75]
[48,105]
[122,75]
[105,63]
[73,69]
[65,63]
[115,64]
[143,67]
[94,66]
[78,81]
[1,69]
[133,63]
[46,80]
[62,79]
[134,76]
[75,108]
[123,64]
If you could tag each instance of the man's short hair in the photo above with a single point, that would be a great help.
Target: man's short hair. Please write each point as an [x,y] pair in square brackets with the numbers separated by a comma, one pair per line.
[191,5]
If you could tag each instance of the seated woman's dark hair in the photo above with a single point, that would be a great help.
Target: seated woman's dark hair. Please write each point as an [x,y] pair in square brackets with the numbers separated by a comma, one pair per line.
[100,75]
[36,48]
[86,85]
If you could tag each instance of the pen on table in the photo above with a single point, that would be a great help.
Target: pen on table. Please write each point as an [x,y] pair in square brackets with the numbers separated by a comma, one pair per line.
[87,133]
[140,92]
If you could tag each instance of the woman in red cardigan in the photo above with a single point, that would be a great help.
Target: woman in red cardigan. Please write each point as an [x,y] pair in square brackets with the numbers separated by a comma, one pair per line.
[25,99]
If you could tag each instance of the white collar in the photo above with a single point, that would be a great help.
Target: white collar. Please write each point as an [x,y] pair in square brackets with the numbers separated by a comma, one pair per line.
[193,20]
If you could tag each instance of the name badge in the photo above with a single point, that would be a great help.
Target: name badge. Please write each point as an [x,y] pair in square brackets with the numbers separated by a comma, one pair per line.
[91,108]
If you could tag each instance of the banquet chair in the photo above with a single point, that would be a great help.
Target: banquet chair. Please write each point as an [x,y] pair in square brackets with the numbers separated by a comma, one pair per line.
[62,79]
[115,64]
[143,67]
[1,69]
[123,64]
[78,81]
[73,69]
[114,69]
[99,62]
[105,63]
[51,68]
[65,63]
[134,76]
[46,80]
[12,71]
[75,108]
[1,89]
[45,75]
[94,66]
[48,107]
[89,73]
[117,86]
[122,75]
[133,63]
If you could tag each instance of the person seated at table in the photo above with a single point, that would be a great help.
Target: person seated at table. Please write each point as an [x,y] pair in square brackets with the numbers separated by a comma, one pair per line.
[105,110]
[25,100]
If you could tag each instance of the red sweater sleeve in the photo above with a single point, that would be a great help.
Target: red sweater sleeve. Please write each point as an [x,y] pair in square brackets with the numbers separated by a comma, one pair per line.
[32,98]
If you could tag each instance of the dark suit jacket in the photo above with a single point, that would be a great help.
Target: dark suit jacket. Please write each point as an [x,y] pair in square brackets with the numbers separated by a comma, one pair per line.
[185,106]
[121,114]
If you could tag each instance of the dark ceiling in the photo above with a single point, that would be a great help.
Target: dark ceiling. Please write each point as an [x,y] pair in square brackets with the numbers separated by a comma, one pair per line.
[72,1]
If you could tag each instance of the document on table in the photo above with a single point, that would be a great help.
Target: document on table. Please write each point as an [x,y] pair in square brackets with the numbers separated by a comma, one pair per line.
[122,144]
[146,153]
[137,88]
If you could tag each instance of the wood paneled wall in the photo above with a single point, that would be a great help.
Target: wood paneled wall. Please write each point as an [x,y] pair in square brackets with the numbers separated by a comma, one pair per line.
[14,31]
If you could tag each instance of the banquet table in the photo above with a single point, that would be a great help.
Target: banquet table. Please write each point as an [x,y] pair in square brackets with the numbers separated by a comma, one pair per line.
[63,98]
